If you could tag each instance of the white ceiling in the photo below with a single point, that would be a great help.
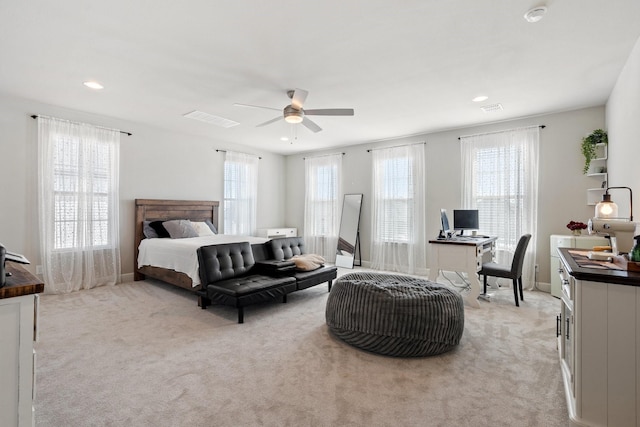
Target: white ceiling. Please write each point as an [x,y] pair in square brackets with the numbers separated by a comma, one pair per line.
[406,67]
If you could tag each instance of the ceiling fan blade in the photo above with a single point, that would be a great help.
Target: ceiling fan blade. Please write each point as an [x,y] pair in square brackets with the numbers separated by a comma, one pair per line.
[256,106]
[330,112]
[270,121]
[298,98]
[312,126]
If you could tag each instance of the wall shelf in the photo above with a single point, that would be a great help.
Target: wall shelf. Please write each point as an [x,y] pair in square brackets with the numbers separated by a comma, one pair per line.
[598,170]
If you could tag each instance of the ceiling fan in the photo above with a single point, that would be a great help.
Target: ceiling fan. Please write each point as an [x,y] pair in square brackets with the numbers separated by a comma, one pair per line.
[294,113]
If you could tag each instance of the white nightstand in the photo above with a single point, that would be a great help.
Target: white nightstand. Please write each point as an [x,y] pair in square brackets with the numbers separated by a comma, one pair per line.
[273,233]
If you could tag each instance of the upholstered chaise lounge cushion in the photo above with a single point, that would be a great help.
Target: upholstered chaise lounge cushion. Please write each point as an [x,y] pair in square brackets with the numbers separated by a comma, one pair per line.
[252,289]
[287,247]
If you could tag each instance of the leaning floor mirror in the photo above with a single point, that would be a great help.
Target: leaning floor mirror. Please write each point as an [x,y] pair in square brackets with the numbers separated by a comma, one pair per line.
[349,236]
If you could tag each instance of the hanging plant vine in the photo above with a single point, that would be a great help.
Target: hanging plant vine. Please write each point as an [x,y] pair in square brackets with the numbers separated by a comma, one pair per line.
[588,146]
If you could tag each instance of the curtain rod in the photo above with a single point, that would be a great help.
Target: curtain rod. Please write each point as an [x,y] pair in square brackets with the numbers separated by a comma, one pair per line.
[395,146]
[224,151]
[35,116]
[500,131]
[322,155]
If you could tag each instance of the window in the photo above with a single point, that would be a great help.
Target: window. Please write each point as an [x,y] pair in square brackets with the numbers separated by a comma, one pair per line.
[81,172]
[398,217]
[499,192]
[396,199]
[78,204]
[240,193]
[322,204]
[500,179]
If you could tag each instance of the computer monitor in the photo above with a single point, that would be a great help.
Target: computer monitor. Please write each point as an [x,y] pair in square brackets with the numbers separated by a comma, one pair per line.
[465,219]
[444,220]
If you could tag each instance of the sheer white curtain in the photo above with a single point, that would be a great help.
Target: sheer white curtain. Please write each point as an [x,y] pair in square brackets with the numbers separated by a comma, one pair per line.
[323,190]
[500,179]
[398,214]
[78,166]
[240,193]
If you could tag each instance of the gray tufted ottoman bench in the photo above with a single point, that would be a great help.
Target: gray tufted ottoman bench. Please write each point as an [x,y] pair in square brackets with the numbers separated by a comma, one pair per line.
[395,315]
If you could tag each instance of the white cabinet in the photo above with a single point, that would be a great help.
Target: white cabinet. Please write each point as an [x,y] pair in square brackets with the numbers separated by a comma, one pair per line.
[17,321]
[599,338]
[598,171]
[568,241]
[274,233]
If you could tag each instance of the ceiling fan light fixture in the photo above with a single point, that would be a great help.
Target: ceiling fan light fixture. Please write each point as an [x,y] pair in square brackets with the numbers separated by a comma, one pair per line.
[293,116]
[293,119]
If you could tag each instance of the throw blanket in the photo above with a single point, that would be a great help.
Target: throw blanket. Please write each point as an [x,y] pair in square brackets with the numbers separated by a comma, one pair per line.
[308,262]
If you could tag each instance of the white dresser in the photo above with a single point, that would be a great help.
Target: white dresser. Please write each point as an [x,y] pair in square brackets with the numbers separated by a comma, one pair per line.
[599,344]
[18,317]
[568,241]
[274,233]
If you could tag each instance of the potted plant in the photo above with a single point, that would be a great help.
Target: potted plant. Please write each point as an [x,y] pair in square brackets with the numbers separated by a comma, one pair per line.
[588,146]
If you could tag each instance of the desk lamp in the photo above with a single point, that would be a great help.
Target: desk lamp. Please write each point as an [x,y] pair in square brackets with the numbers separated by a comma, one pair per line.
[607,209]
[606,221]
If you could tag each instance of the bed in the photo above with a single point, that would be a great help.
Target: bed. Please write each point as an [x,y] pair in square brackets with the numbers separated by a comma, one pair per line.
[174,260]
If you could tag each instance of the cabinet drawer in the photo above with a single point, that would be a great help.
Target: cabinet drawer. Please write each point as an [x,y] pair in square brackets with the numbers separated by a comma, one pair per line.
[567,283]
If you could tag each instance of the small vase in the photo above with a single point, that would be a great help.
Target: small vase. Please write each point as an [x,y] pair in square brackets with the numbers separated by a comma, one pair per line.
[577,232]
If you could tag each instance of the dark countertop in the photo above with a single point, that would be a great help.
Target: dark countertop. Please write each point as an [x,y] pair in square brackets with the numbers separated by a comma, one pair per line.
[21,282]
[577,267]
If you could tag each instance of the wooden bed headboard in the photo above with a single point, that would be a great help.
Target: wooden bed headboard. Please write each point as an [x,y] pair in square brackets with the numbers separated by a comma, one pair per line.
[164,210]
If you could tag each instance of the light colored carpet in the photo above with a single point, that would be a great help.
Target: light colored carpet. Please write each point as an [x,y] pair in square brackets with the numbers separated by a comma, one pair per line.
[144,354]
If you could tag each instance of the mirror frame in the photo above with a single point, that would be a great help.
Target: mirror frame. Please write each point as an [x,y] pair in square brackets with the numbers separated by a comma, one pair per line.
[346,259]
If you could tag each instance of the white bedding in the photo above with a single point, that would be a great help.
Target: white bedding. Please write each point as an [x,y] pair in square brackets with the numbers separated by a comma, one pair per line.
[180,254]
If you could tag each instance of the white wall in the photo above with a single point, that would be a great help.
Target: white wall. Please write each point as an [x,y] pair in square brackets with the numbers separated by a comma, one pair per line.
[562,185]
[623,126]
[154,163]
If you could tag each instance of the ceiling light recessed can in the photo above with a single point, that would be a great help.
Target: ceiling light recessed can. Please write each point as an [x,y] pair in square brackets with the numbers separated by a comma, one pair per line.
[535,14]
[480,98]
[93,85]
[284,138]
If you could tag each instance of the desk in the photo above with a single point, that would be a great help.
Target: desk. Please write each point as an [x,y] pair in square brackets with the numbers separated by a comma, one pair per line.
[462,254]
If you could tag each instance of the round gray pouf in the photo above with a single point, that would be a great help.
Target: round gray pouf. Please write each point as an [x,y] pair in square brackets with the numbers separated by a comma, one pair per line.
[395,315]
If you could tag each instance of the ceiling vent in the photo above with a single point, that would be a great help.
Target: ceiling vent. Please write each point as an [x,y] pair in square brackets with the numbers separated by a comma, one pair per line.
[211,119]
[491,108]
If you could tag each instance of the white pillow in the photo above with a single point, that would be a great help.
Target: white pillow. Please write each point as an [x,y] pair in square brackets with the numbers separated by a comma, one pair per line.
[202,229]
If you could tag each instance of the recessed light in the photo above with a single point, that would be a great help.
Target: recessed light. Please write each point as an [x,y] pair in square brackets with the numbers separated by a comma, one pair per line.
[480,98]
[284,138]
[93,85]
[535,14]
